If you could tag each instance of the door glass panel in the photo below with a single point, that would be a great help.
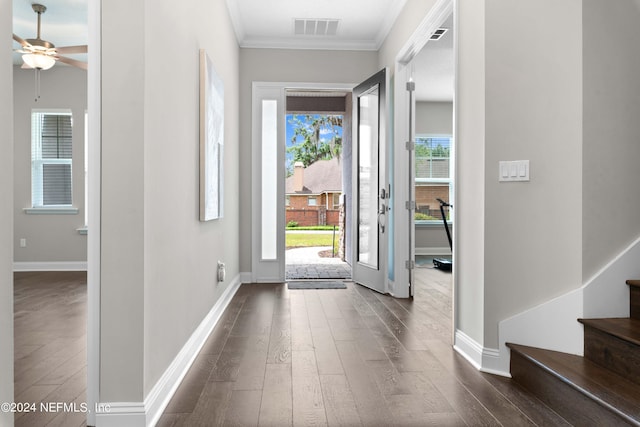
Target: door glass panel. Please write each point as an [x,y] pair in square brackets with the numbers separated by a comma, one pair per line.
[368,178]
[269,179]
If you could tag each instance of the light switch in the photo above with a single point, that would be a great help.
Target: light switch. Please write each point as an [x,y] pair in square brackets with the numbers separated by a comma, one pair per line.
[504,170]
[514,170]
[523,169]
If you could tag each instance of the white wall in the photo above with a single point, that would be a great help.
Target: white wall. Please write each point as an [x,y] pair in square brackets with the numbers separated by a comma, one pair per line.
[533,111]
[434,118]
[179,294]
[469,269]
[611,129]
[158,260]
[6,215]
[287,65]
[50,238]
[122,204]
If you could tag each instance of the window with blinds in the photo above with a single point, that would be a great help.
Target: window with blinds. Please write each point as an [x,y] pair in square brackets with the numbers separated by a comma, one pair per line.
[51,157]
[433,180]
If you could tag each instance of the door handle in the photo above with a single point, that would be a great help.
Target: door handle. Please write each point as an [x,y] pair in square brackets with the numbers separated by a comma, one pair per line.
[382,218]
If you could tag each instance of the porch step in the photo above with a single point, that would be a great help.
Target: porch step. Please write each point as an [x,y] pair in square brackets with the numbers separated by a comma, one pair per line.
[614,344]
[579,390]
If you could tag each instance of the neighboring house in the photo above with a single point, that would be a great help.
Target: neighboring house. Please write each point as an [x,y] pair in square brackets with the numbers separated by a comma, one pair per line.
[313,193]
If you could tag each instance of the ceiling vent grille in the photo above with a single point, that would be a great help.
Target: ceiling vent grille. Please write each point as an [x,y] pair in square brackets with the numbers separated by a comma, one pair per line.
[315,27]
[437,34]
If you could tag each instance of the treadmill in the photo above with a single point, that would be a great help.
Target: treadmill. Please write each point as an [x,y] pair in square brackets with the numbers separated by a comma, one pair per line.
[443,263]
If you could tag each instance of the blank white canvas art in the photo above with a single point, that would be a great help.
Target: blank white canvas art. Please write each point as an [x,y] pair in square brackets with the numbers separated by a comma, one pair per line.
[211,140]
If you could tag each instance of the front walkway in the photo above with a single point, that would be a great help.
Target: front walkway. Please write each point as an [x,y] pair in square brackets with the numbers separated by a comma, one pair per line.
[306,263]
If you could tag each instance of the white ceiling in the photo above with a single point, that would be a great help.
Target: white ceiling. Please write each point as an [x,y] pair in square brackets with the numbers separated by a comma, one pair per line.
[363,25]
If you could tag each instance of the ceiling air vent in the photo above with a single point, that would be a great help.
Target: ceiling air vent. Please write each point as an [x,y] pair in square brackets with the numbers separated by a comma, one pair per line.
[315,27]
[437,34]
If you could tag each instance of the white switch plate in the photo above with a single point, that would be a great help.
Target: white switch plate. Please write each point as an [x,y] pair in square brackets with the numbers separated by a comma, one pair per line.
[514,170]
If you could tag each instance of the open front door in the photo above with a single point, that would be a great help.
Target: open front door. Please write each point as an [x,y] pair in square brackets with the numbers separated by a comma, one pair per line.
[370,184]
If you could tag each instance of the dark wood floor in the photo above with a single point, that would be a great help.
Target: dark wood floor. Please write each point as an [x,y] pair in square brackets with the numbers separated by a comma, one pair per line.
[344,357]
[280,357]
[50,338]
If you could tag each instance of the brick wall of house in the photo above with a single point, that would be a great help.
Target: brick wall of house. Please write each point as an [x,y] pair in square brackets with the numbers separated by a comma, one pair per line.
[310,217]
[426,196]
[299,211]
[333,217]
[298,202]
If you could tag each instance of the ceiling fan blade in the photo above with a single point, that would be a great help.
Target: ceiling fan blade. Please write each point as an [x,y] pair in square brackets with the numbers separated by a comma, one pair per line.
[73,62]
[22,41]
[67,50]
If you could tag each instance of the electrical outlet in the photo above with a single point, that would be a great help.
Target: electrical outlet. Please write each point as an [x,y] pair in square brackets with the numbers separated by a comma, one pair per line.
[221,271]
[23,243]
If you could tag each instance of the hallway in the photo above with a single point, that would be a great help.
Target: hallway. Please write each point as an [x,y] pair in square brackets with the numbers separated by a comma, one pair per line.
[343,357]
[282,357]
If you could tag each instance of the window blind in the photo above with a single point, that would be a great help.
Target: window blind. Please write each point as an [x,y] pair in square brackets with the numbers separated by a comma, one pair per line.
[51,159]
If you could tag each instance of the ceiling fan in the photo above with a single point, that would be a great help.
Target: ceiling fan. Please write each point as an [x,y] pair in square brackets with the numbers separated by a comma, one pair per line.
[40,54]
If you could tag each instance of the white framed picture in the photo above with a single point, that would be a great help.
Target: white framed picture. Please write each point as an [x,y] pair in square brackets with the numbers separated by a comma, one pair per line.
[211,140]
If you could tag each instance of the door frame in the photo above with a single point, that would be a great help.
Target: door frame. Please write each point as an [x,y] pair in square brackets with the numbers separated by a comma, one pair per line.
[273,270]
[94,103]
[403,242]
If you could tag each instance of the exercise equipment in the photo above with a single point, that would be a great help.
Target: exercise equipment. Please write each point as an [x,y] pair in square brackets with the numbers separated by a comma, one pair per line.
[443,263]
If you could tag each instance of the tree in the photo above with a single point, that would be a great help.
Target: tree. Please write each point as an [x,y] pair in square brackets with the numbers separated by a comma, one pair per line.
[425,149]
[315,137]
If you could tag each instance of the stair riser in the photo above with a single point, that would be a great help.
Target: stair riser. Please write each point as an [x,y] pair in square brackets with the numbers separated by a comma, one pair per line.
[612,353]
[570,404]
[635,302]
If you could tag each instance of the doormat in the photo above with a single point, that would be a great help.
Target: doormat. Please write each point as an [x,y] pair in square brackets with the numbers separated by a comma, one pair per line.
[316,284]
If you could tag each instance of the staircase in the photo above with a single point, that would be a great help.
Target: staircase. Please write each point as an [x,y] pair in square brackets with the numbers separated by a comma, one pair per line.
[600,389]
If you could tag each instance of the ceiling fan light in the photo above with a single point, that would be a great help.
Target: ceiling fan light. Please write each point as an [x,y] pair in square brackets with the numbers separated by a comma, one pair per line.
[38,61]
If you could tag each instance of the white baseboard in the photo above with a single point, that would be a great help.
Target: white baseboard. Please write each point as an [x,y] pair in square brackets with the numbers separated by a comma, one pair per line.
[121,414]
[147,413]
[483,359]
[468,348]
[50,266]
[433,251]
[492,363]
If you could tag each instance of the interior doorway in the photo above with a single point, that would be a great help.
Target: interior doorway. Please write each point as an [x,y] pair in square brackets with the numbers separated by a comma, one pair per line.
[432,70]
[406,83]
[317,184]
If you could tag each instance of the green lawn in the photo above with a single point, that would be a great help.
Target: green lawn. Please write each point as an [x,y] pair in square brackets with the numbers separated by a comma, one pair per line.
[303,240]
